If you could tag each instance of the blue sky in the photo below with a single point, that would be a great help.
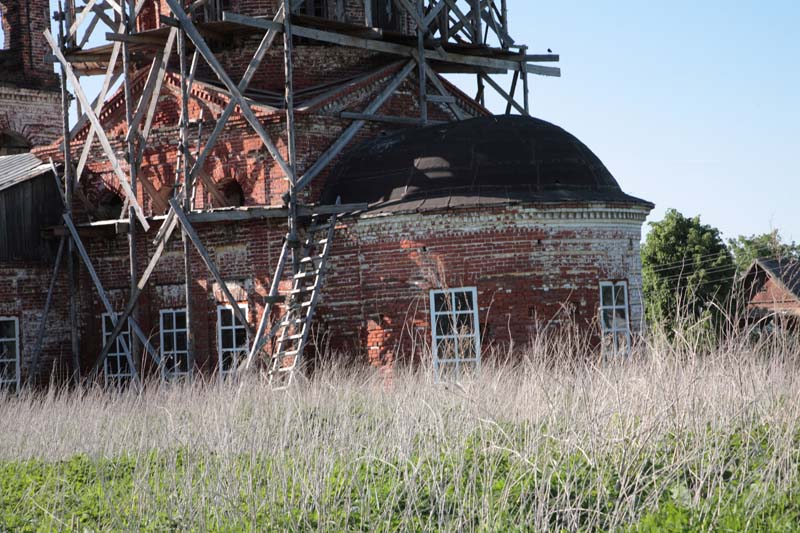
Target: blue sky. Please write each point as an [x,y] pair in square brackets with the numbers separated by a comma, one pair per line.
[692,105]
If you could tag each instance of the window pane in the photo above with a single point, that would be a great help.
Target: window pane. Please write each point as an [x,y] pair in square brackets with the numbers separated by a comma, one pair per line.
[8,350]
[241,338]
[8,370]
[446,349]
[169,342]
[183,363]
[109,325]
[448,371]
[608,319]
[226,317]
[444,325]
[113,364]
[440,302]
[167,319]
[622,342]
[8,329]
[227,339]
[236,318]
[227,361]
[606,295]
[466,348]
[463,301]
[169,362]
[621,318]
[180,320]
[180,341]
[619,295]
[464,324]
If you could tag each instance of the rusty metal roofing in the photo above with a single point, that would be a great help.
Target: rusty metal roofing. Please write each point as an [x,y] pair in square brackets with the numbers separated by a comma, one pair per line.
[785,271]
[15,169]
[484,161]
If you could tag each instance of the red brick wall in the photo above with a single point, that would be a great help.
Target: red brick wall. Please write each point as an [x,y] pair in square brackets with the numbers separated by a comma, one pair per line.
[775,298]
[533,268]
[529,265]
[30,103]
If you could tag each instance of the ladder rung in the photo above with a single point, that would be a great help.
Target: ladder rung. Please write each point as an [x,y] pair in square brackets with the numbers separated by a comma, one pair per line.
[290,353]
[294,337]
[311,259]
[304,290]
[293,321]
[308,274]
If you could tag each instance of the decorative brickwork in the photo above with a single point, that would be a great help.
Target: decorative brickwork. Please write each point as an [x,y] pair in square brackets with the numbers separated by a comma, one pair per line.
[29,96]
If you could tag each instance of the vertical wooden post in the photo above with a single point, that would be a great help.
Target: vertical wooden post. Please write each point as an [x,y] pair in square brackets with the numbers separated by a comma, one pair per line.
[368,15]
[68,186]
[128,17]
[187,195]
[477,22]
[525,89]
[294,240]
[423,81]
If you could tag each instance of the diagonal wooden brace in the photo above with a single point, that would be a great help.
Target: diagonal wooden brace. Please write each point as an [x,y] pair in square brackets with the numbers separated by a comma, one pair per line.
[261,52]
[102,293]
[163,239]
[194,35]
[109,151]
[206,257]
[354,128]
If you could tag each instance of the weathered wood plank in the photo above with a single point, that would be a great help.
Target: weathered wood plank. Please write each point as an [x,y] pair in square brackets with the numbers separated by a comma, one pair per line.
[109,151]
[206,257]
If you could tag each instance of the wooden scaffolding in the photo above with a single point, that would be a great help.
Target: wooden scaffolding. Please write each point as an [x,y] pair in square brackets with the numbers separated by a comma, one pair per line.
[452,36]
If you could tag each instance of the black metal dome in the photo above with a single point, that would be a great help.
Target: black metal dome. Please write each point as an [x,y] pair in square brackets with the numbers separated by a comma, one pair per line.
[482,161]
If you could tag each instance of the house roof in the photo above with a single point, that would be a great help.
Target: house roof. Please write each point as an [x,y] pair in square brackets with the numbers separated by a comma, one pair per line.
[16,169]
[484,161]
[784,271]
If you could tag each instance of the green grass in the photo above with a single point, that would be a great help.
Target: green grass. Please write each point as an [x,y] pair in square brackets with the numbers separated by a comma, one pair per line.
[667,440]
[480,489]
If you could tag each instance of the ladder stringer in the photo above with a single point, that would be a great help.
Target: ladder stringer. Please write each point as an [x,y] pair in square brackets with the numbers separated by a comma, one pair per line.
[294,327]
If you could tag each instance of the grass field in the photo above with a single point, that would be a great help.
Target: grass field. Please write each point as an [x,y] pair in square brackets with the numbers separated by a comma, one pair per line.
[672,438]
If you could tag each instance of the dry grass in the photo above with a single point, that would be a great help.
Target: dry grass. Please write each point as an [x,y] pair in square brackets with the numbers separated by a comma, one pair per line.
[541,444]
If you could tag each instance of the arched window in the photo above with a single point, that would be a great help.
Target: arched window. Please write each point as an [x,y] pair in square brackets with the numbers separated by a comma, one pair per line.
[109,206]
[233,193]
[13,143]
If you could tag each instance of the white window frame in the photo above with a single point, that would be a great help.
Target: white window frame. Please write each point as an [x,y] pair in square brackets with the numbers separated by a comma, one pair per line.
[220,349]
[474,337]
[16,357]
[615,330]
[173,373]
[116,351]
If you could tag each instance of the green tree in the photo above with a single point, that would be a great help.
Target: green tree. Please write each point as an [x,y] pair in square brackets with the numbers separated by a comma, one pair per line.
[768,245]
[686,268]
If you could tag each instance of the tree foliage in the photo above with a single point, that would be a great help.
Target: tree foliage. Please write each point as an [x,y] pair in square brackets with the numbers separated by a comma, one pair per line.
[765,246]
[686,268]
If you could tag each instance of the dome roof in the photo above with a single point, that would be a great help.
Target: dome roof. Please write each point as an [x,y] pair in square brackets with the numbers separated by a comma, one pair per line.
[483,161]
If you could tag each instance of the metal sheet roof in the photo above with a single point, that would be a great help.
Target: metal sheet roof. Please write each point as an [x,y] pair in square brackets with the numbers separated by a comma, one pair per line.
[484,161]
[16,169]
[786,271]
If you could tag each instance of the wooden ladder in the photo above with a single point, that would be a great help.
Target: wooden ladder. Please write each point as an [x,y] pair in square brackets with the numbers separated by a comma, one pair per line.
[295,325]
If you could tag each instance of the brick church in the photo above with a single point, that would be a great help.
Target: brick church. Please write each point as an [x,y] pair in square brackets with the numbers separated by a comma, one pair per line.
[472,230]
